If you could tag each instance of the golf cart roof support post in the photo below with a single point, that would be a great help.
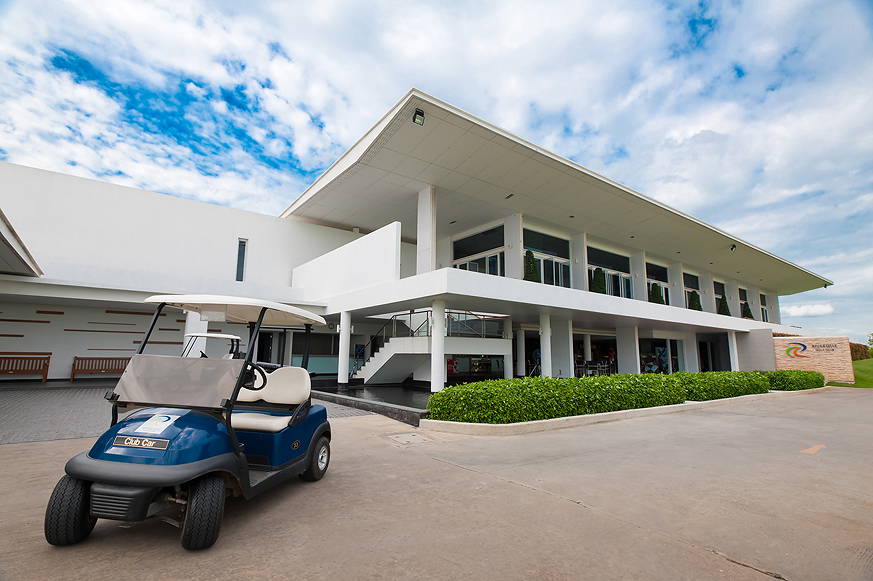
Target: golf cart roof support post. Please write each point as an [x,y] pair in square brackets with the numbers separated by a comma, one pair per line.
[151,328]
[228,409]
[307,342]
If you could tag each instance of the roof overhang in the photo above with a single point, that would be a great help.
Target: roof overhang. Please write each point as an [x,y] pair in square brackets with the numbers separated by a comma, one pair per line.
[15,258]
[483,173]
[240,309]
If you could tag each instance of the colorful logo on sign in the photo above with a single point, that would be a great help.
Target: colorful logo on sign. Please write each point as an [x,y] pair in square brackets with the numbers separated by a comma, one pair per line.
[796,350]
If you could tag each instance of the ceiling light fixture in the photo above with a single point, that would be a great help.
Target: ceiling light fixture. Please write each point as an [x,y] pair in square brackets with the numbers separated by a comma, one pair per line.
[508,196]
[418,117]
[733,247]
[632,236]
[453,221]
[572,216]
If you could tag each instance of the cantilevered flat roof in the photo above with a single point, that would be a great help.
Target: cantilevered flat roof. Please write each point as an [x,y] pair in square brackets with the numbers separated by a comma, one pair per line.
[15,258]
[483,173]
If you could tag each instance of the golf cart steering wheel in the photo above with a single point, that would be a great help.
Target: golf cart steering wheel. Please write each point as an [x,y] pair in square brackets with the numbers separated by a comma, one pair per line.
[261,372]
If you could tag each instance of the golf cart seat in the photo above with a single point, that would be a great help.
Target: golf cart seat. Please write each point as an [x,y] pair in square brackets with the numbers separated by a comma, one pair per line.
[287,386]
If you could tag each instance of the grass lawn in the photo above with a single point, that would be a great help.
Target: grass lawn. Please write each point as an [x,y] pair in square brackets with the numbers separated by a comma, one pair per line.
[863,374]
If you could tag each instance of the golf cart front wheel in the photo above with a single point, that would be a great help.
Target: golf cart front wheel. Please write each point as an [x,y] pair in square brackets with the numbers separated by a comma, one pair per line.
[318,461]
[68,517]
[204,512]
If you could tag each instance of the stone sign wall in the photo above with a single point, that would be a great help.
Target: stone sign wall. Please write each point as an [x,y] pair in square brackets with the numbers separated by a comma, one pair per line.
[829,356]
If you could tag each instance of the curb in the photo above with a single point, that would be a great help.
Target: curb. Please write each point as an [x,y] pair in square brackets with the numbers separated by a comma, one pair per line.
[471,429]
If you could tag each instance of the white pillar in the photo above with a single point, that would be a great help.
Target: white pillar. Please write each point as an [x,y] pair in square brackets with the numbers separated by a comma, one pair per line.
[773,312]
[586,347]
[288,355]
[513,239]
[545,345]
[562,347]
[438,346]
[733,351]
[677,284]
[753,294]
[690,353]
[638,275]
[669,357]
[507,358]
[627,343]
[707,292]
[345,335]
[193,324]
[520,355]
[579,267]
[425,235]
[732,294]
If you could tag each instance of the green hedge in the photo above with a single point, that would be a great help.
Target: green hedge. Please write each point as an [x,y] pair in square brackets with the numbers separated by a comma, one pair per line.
[794,379]
[503,401]
[721,384]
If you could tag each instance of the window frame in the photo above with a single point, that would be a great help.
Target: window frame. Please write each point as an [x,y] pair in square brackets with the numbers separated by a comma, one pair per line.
[242,244]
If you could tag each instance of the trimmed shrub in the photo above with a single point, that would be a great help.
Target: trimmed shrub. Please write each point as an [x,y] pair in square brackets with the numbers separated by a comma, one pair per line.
[694,301]
[598,281]
[794,379]
[655,294]
[531,272]
[722,306]
[859,351]
[720,384]
[503,401]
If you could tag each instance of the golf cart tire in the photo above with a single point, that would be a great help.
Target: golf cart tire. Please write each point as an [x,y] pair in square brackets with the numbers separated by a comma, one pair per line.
[313,472]
[204,512]
[68,517]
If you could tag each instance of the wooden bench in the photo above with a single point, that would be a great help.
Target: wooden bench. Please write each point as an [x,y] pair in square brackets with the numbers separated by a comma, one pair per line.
[98,365]
[25,363]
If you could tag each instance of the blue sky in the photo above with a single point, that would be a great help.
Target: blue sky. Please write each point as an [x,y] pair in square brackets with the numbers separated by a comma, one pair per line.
[754,116]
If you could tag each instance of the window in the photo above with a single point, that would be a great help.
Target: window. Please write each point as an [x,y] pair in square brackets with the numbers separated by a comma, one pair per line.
[482,252]
[657,275]
[692,288]
[764,314]
[718,288]
[616,268]
[241,259]
[552,257]
[745,309]
[478,243]
[691,281]
[608,260]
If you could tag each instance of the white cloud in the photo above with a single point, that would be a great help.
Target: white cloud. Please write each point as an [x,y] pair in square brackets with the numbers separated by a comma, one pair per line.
[817,310]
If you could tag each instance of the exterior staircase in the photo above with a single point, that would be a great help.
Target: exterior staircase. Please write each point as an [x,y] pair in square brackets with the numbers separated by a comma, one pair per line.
[396,360]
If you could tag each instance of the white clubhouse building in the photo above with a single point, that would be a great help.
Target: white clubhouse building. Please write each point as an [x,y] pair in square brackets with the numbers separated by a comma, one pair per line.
[414,245]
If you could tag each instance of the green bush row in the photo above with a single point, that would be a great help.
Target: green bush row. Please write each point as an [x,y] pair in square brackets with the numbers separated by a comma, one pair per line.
[794,379]
[721,384]
[504,401]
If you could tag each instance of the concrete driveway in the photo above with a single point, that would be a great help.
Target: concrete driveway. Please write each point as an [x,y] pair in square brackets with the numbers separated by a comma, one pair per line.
[777,488]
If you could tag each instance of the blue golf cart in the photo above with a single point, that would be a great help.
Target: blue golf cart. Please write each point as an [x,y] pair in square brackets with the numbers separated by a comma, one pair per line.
[197,429]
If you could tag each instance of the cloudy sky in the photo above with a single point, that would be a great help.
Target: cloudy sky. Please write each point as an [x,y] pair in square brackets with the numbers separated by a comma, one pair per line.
[755,116]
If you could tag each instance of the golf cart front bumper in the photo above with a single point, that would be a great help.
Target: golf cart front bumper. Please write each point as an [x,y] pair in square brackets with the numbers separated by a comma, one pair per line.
[84,467]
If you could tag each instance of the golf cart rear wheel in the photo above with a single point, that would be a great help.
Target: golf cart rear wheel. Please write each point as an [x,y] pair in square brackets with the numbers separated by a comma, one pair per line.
[204,512]
[68,517]
[318,461]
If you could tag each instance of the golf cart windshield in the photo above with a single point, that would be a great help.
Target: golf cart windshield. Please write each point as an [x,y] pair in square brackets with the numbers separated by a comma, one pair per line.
[178,381]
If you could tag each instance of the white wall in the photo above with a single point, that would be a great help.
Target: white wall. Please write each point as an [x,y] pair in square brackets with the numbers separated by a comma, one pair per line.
[372,259]
[103,235]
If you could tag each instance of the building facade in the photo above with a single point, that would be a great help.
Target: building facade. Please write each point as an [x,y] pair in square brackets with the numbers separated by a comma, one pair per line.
[439,247]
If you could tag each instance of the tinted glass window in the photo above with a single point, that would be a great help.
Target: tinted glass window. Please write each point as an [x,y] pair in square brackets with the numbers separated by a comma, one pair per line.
[240,260]
[656,272]
[691,281]
[321,343]
[545,244]
[610,260]
[744,296]
[763,300]
[478,243]
[719,288]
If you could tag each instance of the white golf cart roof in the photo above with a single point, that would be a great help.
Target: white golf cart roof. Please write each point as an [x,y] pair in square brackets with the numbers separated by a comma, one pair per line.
[213,336]
[239,309]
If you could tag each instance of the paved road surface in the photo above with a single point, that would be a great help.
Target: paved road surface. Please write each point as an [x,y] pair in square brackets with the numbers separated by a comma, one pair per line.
[762,489]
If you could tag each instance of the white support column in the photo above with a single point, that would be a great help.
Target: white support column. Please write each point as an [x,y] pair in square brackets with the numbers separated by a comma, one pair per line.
[707,292]
[733,351]
[507,359]
[562,347]
[438,346]
[579,267]
[638,275]
[627,342]
[754,299]
[669,357]
[425,236]
[586,347]
[513,239]
[690,353]
[677,284]
[775,315]
[345,335]
[732,294]
[288,355]
[545,344]
[193,324]
[520,355]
